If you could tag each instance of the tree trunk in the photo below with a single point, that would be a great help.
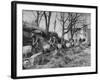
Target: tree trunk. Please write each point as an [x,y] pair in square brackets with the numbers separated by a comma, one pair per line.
[62,31]
[47,21]
[55,26]
[37,19]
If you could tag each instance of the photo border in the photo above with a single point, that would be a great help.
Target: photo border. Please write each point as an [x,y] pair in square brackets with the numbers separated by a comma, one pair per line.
[14,38]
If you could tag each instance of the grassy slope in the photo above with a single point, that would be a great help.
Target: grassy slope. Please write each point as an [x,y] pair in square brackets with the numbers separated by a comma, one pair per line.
[69,58]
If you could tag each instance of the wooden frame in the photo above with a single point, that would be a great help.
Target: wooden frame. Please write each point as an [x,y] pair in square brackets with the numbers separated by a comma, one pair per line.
[14,25]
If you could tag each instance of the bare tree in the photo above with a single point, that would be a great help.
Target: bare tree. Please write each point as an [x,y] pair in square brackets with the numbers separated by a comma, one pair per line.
[63,19]
[69,22]
[74,20]
[47,16]
[38,16]
[55,23]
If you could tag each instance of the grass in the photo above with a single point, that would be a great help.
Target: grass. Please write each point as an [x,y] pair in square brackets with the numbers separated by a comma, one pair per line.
[73,57]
